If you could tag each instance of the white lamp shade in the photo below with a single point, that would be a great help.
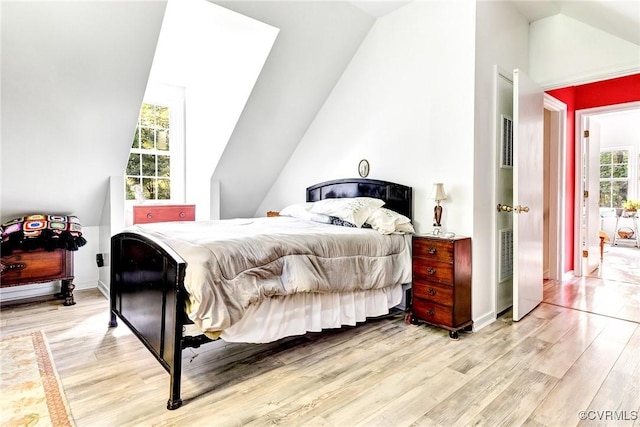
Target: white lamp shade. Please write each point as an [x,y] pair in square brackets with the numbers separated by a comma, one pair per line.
[438,193]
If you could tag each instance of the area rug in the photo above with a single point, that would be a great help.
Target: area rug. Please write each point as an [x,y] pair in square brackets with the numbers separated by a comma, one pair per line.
[32,394]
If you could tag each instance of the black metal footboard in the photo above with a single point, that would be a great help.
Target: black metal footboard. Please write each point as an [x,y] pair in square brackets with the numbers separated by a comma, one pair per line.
[147,293]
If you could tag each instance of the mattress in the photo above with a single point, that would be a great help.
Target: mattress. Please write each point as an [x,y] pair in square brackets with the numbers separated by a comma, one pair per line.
[300,275]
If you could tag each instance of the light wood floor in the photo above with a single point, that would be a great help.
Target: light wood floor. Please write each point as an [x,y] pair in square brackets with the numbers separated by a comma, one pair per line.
[541,371]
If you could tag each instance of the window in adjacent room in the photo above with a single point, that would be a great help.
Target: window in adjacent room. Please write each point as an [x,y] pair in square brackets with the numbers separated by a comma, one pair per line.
[614,178]
[155,169]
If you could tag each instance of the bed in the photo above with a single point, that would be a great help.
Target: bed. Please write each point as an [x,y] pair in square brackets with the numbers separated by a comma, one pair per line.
[261,279]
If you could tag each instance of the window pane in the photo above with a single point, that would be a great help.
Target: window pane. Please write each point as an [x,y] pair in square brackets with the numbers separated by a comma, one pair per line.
[605,158]
[133,167]
[162,140]
[621,156]
[605,194]
[162,117]
[136,139]
[129,183]
[146,115]
[148,165]
[146,135]
[605,171]
[619,191]
[620,171]
[164,189]
[164,163]
[149,188]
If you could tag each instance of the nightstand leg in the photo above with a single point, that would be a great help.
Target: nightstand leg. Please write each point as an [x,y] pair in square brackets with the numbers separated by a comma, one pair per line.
[453,335]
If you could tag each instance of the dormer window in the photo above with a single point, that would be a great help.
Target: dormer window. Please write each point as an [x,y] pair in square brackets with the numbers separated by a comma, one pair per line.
[155,170]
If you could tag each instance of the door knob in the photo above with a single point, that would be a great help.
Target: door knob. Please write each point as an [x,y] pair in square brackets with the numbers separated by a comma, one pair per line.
[516,209]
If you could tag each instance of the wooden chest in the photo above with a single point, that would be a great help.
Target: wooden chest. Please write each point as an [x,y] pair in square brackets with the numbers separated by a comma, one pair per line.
[163,213]
[38,266]
[441,288]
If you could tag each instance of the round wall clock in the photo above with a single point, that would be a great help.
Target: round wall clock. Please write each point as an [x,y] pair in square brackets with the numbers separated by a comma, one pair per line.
[363,168]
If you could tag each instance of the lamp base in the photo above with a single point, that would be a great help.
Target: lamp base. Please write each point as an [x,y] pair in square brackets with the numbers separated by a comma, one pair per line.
[437,231]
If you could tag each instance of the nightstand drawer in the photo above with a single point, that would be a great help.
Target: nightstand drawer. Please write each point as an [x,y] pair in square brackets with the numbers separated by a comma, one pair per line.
[433,249]
[432,312]
[36,266]
[163,213]
[435,270]
[433,292]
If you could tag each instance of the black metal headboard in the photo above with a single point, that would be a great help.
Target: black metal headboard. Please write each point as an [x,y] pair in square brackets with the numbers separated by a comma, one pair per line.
[397,197]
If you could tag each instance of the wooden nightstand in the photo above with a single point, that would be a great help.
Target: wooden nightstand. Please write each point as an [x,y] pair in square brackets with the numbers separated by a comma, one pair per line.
[163,213]
[441,289]
[38,266]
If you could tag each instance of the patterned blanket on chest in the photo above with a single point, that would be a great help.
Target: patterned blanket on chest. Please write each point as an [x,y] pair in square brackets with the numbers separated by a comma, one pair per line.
[48,232]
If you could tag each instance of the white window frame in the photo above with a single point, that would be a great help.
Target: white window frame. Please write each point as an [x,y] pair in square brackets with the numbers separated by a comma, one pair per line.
[174,98]
[631,169]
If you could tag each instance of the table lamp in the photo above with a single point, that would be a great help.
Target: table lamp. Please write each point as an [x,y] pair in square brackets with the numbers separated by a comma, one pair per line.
[438,195]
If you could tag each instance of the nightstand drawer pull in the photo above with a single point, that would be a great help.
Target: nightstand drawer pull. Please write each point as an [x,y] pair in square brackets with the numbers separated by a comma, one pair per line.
[432,250]
[431,313]
[182,214]
[431,292]
[149,216]
[431,270]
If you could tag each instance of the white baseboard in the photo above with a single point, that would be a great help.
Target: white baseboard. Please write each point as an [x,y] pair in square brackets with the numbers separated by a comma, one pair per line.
[104,290]
[14,293]
[484,320]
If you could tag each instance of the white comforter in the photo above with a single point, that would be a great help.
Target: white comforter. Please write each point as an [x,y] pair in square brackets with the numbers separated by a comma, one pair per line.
[232,264]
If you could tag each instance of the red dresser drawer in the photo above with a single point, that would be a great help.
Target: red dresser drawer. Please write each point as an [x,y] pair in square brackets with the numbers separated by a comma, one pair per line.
[163,213]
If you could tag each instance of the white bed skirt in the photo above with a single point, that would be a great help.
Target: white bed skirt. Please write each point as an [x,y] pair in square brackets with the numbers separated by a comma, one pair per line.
[298,314]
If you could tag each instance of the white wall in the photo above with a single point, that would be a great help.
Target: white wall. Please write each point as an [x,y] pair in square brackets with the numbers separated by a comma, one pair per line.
[216,55]
[564,51]
[402,103]
[317,39]
[73,77]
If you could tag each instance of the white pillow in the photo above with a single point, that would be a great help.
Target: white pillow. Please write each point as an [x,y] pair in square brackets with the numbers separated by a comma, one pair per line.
[406,228]
[301,211]
[386,221]
[355,210]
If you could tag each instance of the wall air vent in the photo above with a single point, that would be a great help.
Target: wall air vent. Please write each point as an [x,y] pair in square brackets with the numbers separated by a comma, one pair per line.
[505,268]
[506,136]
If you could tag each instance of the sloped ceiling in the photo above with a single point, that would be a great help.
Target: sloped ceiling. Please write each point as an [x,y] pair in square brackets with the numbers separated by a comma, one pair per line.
[618,17]
[73,78]
[316,42]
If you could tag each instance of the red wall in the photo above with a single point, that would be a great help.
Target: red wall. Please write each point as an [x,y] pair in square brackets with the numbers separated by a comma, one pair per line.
[599,94]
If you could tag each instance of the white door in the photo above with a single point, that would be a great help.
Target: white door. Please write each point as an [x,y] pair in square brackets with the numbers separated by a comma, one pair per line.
[591,198]
[528,123]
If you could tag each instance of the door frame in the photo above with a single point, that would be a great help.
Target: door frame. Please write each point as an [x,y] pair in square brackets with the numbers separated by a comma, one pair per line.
[580,116]
[557,184]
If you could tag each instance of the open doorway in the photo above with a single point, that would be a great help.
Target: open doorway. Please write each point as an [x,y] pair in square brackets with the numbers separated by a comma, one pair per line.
[615,129]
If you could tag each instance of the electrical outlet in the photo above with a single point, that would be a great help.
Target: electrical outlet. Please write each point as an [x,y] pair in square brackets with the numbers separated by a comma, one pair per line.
[100,260]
